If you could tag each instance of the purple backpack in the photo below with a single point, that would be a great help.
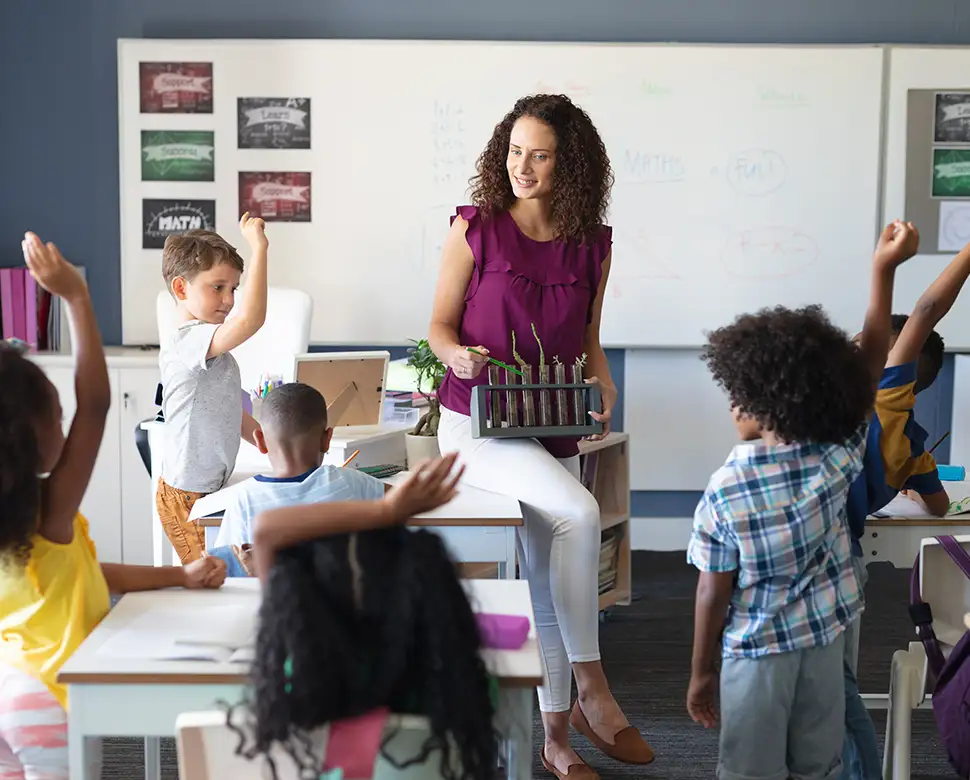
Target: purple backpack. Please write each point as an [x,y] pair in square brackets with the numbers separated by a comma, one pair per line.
[951,691]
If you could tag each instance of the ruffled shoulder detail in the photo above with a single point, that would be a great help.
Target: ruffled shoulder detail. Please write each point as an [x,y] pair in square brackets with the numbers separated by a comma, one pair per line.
[473,237]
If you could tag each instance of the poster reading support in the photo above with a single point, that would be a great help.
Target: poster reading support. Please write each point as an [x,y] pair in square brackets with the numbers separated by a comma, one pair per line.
[952,125]
[951,173]
[177,155]
[164,218]
[276,197]
[176,87]
[274,123]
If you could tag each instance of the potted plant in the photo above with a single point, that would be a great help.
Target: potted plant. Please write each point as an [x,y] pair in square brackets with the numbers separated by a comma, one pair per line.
[422,441]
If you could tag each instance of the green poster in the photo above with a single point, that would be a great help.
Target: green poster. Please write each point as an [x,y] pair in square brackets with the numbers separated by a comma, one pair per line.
[951,173]
[177,155]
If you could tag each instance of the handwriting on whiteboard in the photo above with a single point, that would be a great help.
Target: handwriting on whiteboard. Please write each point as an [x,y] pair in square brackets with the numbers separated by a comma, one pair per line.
[772,97]
[649,167]
[769,252]
[756,171]
[654,90]
[635,258]
[450,162]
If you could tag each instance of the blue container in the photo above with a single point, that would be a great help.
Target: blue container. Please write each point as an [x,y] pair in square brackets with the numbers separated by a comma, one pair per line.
[951,473]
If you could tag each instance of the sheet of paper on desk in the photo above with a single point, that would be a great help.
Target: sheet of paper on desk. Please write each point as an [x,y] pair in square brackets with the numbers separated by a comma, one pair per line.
[908,509]
[212,634]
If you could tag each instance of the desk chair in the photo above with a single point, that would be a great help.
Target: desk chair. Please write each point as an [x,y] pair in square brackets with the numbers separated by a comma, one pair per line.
[285,333]
[207,751]
[946,589]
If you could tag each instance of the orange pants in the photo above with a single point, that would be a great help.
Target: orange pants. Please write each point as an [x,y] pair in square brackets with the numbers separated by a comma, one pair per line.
[174,506]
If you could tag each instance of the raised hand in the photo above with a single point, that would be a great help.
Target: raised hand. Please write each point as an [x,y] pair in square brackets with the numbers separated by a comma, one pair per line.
[432,484]
[254,231]
[898,242]
[51,271]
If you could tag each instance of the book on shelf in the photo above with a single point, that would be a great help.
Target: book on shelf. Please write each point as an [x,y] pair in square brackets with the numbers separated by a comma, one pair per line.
[31,314]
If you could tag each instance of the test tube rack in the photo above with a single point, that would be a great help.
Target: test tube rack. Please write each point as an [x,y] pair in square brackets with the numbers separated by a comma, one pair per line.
[557,409]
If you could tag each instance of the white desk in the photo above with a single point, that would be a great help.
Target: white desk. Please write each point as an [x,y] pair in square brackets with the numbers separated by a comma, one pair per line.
[139,698]
[477,525]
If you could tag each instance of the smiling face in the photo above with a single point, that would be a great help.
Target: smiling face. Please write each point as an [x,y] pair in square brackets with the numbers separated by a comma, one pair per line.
[209,296]
[532,158]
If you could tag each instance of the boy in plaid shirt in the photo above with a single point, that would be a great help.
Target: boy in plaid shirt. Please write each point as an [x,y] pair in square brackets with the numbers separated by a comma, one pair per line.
[777,588]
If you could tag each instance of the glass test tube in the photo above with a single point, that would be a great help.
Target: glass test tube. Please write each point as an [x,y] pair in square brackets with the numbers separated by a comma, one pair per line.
[562,406]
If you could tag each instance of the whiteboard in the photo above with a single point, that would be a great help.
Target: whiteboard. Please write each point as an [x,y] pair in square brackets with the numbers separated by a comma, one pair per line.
[745,176]
[921,68]
[679,420]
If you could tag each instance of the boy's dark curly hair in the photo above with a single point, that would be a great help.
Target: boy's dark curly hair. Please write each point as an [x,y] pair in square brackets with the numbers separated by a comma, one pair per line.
[794,372]
[930,357]
[583,176]
[376,619]
[24,402]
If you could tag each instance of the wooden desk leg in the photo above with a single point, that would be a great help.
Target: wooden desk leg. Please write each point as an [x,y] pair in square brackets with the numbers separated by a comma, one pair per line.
[77,745]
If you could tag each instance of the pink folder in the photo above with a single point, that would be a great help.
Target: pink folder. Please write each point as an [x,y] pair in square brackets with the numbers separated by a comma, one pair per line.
[30,295]
[19,304]
[6,302]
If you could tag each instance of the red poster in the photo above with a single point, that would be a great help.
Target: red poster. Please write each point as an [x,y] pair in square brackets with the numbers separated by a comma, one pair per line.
[176,87]
[276,197]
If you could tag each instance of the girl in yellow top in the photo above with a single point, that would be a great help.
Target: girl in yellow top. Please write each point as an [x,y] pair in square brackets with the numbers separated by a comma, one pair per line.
[53,592]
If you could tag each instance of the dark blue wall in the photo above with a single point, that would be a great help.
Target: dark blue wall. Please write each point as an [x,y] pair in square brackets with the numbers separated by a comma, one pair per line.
[58,92]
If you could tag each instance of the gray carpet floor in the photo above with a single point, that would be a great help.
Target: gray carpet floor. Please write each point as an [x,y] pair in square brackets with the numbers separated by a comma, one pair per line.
[646,652]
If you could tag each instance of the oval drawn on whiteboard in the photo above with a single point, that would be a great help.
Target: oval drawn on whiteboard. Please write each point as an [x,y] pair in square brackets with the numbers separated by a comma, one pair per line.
[756,171]
[768,252]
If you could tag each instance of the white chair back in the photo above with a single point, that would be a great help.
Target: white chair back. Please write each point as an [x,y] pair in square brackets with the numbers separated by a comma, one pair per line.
[946,589]
[285,334]
[207,751]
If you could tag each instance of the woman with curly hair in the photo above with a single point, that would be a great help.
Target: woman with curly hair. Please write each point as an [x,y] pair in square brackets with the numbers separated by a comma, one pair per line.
[529,260]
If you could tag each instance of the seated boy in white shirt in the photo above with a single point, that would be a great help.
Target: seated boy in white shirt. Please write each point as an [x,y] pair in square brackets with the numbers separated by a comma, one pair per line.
[294,434]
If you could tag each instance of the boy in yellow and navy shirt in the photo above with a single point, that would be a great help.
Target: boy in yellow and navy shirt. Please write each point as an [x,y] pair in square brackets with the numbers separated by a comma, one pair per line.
[896,460]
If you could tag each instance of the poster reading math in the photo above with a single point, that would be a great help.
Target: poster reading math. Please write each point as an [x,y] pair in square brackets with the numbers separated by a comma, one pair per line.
[274,123]
[176,87]
[164,218]
[276,197]
[176,155]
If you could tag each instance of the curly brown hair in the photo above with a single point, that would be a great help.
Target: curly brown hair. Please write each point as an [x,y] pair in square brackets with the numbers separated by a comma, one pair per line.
[583,174]
[794,372]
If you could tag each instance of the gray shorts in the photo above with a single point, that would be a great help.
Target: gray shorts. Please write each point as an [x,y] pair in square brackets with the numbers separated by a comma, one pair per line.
[783,715]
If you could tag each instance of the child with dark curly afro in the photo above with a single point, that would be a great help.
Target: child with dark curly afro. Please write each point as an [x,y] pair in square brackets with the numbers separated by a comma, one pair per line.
[770,536]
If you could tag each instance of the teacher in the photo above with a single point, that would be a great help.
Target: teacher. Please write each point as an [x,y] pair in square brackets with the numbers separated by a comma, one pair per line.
[533,251]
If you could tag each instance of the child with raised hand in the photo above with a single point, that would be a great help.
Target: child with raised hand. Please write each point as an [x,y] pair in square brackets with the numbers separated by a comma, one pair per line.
[360,614]
[201,384]
[777,590]
[53,592]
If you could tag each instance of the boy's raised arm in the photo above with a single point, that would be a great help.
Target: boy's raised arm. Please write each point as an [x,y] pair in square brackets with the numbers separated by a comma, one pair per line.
[931,307]
[898,242]
[252,307]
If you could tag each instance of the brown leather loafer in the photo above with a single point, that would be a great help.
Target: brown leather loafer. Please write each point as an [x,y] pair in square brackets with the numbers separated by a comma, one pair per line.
[628,746]
[573,772]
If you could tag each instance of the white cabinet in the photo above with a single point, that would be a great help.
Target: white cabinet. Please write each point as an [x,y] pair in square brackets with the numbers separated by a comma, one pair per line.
[115,503]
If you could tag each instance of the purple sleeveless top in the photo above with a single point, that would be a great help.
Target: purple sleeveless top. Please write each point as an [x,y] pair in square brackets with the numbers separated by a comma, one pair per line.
[518,281]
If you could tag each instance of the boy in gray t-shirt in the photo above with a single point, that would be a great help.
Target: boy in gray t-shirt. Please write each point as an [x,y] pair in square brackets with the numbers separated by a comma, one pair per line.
[201,386]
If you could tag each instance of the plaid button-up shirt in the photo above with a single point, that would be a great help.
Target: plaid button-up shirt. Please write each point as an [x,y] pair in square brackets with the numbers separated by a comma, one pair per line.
[777,517]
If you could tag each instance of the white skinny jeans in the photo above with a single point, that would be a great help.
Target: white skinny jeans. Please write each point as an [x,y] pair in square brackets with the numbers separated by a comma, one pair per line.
[558,544]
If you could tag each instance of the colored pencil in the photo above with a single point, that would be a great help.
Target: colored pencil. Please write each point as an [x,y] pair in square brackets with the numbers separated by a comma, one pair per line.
[353,455]
[942,439]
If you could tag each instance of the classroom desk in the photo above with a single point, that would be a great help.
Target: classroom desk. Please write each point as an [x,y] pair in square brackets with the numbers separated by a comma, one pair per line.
[478,525]
[112,696]
[893,534]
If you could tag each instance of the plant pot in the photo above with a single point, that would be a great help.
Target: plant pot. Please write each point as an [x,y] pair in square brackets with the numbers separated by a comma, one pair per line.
[419,448]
